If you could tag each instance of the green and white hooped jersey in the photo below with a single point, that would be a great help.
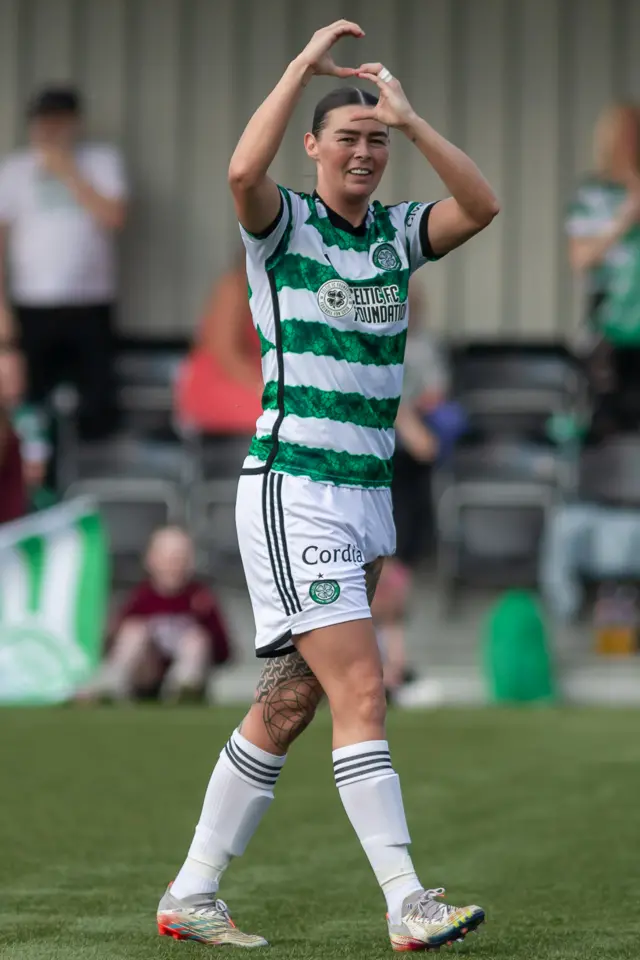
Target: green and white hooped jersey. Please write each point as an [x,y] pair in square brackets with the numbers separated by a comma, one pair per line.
[591,214]
[614,284]
[329,303]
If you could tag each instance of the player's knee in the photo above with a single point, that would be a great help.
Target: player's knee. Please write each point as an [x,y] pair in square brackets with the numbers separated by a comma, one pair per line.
[294,707]
[285,711]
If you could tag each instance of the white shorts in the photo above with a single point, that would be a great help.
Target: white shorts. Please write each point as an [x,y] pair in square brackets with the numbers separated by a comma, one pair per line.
[303,546]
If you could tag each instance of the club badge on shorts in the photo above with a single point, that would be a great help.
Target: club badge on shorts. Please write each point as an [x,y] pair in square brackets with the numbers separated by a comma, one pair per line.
[324,591]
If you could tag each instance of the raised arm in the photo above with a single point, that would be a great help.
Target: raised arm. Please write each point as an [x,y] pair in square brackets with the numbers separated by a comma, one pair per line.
[586,252]
[472,204]
[256,196]
[109,212]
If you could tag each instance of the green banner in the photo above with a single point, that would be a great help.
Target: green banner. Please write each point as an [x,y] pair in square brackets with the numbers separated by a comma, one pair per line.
[53,596]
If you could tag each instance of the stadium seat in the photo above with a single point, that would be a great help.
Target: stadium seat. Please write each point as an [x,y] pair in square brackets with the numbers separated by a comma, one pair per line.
[491,506]
[215,457]
[146,442]
[515,388]
[610,472]
[132,508]
[211,521]
[145,374]
[214,464]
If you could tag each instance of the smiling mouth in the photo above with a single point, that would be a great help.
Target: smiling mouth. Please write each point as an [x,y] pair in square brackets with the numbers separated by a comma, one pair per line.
[360,172]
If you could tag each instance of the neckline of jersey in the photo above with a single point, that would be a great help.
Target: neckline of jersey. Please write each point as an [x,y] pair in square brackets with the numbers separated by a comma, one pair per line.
[340,223]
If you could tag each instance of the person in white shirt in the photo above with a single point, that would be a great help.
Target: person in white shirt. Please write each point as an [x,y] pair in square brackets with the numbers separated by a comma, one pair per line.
[62,201]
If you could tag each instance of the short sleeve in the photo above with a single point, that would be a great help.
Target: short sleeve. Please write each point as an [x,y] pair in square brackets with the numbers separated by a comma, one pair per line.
[261,246]
[412,219]
[108,173]
[8,191]
[589,215]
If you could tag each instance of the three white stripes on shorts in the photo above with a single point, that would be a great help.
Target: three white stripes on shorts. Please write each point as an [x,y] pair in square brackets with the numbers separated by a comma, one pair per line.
[273,518]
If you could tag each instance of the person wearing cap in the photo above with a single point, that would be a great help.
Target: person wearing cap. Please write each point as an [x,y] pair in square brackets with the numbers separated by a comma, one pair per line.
[62,202]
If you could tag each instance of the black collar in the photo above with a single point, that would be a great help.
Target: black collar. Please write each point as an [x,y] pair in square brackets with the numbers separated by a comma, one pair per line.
[337,221]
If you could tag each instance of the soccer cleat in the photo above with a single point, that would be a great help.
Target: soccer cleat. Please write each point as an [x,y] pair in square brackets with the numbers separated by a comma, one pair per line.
[202,918]
[427,924]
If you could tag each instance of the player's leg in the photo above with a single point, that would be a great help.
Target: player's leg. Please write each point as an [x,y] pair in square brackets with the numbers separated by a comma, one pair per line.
[284,705]
[389,611]
[240,792]
[241,787]
[346,660]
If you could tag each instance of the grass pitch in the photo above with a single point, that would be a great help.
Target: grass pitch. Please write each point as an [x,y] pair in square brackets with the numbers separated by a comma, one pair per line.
[532,814]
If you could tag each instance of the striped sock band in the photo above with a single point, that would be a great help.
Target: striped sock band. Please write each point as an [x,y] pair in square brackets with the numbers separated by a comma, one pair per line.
[361,761]
[252,764]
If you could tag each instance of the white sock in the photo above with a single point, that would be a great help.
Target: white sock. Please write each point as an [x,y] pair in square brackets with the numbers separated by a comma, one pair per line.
[239,793]
[370,792]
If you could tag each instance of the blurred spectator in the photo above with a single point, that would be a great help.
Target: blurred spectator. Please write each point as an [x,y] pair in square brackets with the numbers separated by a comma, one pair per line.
[30,427]
[61,202]
[13,491]
[167,635]
[426,427]
[603,226]
[220,385]
[13,494]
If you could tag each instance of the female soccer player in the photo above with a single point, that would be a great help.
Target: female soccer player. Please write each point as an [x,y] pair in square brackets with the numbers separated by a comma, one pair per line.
[328,277]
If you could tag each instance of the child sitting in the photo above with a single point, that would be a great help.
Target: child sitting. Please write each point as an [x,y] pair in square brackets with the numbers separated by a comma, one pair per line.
[168,633]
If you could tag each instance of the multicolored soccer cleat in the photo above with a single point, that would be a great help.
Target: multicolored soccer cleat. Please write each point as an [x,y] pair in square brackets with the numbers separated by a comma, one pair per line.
[427,924]
[202,918]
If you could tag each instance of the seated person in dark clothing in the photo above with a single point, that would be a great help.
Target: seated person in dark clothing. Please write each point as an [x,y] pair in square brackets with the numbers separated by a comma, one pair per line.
[168,634]
[13,494]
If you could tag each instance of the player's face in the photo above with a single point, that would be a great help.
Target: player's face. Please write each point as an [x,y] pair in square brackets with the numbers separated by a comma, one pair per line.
[53,130]
[351,154]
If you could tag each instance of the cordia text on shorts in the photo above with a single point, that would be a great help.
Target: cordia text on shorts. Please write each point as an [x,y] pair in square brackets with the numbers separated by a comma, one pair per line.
[313,554]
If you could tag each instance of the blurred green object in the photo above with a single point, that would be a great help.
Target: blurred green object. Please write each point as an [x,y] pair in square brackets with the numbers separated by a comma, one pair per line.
[42,498]
[517,658]
[566,428]
[618,315]
[31,424]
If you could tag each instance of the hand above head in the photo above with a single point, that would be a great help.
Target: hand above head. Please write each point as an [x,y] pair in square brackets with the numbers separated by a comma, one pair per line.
[393,109]
[57,161]
[316,55]
[629,213]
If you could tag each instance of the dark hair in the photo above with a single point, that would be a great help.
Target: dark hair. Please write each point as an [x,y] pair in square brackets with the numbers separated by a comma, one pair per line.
[55,100]
[340,97]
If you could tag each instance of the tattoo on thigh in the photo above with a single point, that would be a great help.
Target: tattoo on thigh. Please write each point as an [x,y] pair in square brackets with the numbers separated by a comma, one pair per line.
[372,573]
[290,692]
